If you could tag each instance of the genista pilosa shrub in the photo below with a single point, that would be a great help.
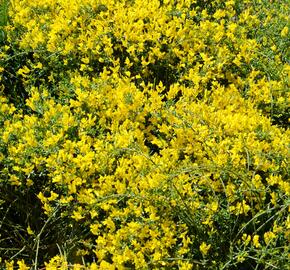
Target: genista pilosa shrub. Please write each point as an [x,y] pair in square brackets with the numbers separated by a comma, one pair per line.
[145,135]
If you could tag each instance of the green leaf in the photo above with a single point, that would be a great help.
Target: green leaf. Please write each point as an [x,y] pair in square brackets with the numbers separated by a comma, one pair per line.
[3,18]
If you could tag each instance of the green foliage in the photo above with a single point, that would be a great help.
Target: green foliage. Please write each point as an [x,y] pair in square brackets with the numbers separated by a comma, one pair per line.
[3,18]
[144,135]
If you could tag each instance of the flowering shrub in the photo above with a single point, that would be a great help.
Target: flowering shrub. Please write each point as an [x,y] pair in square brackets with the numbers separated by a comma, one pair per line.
[145,135]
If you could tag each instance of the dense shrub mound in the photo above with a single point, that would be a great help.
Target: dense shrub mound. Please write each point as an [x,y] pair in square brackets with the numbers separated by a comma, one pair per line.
[139,134]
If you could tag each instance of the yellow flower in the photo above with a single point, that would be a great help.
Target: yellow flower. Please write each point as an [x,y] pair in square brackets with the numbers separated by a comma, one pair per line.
[39,65]
[213,206]
[22,265]
[204,248]
[77,266]
[29,230]
[240,208]
[106,266]
[77,215]
[23,71]
[185,266]
[95,229]
[85,60]
[41,197]
[93,266]
[284,31]
[268,237]
[246,239]
[256,241]
[9,265]
[241,256]
[15,180]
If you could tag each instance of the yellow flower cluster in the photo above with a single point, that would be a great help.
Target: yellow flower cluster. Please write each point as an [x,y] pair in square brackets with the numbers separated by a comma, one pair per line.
[150,129]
